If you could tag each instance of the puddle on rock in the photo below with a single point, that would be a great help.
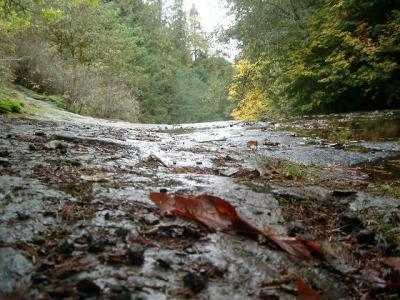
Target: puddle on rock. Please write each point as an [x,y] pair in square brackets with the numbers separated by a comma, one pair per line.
[383,169]
[370,127]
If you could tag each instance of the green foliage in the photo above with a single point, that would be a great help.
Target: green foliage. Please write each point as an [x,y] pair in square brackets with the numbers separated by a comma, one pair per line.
[387,229]
[315,56]
[178,80]
[10,106]
[115,59]
[57,100]
[351,60]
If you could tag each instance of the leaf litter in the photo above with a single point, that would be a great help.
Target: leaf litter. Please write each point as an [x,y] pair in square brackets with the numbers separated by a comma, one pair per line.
[219,214]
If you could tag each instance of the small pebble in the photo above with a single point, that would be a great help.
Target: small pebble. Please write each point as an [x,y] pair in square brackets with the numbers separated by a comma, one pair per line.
[67,247]
[87,286]
[40,133]
[151,219]
[193,281]
[96,246]
[121,296]
[39,278]
[121,232]
[32,147]
[4,162]
[366,237]
[350,223]
[22,216]
[164,264]
[4,153]
[135,256]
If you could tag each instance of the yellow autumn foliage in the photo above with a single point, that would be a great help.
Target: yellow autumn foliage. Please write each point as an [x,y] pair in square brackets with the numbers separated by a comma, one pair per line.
[246,89]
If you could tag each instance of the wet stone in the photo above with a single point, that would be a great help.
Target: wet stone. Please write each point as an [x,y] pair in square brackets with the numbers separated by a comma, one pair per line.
[123,295]
[76,163]
[22,216]
[57,145]
[40,133]
[194,254]
[194,281]
[350,223]
[87,286]
[343,193]
[296,228]
[4,162]
[67,247]
[32,148]
[39,278]
[121,232]
[4,153]
[151,219]
[263,295]
[96,245]
[135,256]
[366,237]
[14,271]
[38,240]
[164,264]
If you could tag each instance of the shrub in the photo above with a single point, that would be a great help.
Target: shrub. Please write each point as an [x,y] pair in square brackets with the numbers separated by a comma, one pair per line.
[84,89]
[10,106]
[57,100]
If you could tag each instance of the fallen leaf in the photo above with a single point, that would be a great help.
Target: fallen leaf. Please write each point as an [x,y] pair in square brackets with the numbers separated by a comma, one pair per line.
[270,144]
[219,214]
[252,144]
[305,291]
[245,173]
[69,268]
[211,211]
[295,246]
[392,262]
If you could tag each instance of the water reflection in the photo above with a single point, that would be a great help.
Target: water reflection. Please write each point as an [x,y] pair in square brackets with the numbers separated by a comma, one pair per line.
[370,127]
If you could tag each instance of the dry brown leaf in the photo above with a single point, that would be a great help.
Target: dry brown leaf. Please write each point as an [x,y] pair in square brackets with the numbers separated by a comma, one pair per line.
[305,291]
[392,262]
[252,144]
[69,268]
[219,214]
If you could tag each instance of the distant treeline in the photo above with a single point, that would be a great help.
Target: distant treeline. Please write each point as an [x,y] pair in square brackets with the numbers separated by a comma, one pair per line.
[123,59]
[313,56]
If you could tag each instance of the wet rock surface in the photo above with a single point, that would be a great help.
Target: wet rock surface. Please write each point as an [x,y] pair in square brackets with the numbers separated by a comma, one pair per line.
[15,271]
[76,219]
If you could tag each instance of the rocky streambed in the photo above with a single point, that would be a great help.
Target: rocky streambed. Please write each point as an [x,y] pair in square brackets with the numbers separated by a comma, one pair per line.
[76,220]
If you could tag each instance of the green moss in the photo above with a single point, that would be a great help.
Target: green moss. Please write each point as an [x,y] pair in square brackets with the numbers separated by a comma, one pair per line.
[387,229]
[10,106]
[293,170]
[388,189]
